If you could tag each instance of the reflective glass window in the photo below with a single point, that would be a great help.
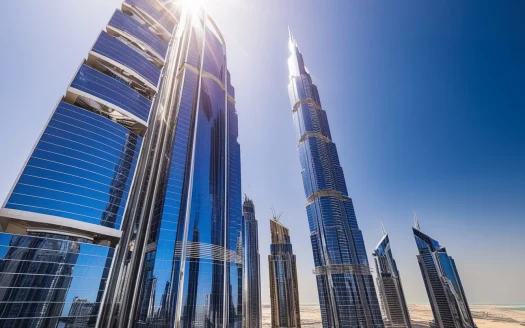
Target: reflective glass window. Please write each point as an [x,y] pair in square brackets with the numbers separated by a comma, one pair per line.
[116,50]
[81,169]
[49,280]
[131,26]
[161,16]
[109,89]
[214,57]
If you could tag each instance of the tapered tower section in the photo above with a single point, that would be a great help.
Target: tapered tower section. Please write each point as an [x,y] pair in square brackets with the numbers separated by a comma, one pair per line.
[344,282]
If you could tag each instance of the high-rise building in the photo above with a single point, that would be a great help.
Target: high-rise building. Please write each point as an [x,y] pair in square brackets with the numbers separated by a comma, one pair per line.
[444,288]
[252,315]
[284,288]
[79,312]
[391,295]
[140,153]
[346,288]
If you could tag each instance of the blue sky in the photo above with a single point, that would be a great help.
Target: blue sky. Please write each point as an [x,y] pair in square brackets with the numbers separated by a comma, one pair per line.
[426,102]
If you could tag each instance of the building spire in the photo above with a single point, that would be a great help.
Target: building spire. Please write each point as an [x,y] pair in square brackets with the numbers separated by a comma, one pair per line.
[383,228]
[290,35]
[416,221]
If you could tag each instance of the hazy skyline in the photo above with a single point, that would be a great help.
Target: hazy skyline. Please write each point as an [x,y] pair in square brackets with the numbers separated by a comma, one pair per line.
[424,100]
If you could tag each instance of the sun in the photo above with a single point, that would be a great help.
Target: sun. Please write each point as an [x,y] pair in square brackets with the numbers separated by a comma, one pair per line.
[192,6]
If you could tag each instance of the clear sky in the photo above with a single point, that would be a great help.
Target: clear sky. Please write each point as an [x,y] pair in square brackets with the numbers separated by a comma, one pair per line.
[426,102]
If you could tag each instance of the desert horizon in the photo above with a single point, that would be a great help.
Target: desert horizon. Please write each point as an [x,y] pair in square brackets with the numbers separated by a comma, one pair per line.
[485,316]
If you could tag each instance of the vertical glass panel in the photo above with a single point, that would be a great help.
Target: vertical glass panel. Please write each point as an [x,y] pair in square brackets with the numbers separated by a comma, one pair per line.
[160,283]
[214,56]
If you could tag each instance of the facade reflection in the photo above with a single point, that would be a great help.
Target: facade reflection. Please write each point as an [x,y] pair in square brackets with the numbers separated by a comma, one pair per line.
[42,277]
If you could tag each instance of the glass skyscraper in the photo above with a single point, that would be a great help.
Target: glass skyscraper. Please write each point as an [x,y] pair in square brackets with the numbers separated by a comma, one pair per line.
[395,310]
[346,288]
[284,288]
[252,311]
[128,209]
[445,291]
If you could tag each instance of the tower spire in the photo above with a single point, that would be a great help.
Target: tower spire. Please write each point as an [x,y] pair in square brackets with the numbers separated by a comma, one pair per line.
[290,35]
[383,228]
[416,221]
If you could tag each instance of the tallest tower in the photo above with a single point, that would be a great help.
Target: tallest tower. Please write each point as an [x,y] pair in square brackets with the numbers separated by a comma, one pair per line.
[344,282]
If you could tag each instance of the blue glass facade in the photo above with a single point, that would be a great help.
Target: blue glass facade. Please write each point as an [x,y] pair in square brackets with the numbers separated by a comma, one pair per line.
[109,89]
[81,169]
[121,53]
[65,215]
[41,276]
[156,11]
[136,173]
[141,32]
[284,288]
[395,310]
[444,288]
[184,251]
[346,290]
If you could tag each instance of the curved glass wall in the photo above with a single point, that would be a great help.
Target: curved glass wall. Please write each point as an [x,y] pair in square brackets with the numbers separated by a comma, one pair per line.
[116,50]
[152,10]
[131,26]
[111,90]
[81,169]
[51,280]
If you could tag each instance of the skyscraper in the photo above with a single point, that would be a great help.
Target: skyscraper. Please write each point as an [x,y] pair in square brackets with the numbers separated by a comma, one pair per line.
[395,310]
[440,275]
[346,288]
[284,288]
[140,153]
[252,271]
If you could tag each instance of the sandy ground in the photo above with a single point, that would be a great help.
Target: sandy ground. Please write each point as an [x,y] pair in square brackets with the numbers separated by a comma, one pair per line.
[485,316]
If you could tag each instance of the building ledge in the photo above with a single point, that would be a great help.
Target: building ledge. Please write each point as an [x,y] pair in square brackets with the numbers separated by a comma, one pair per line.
[23,222]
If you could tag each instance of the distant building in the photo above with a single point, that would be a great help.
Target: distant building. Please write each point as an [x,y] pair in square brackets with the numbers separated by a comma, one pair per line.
[284,289]
[395,310]
[347,296]
[444,288]
[79,313]
[252,271]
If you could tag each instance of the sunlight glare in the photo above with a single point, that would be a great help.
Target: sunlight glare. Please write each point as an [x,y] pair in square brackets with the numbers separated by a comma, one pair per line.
[192,5]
